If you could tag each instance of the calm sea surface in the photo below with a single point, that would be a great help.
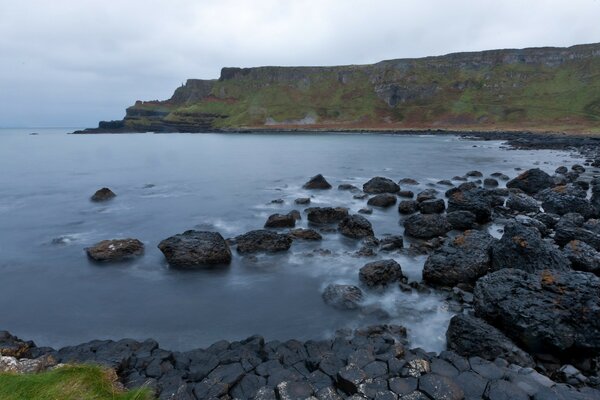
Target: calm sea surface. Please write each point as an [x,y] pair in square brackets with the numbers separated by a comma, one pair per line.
[167,184]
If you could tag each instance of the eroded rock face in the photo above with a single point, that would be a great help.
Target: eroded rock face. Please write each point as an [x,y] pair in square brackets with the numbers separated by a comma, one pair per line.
[475,200]
[115,250]
[262,241]
[556,311]
[103,194]
[317,182]
[380,273]
[196,249]
[522,247]
[326,215]
[461,260]
[531,181]
[355,226]
[426,226]
[408,207]
[379,185]
[345,297]
[469,337]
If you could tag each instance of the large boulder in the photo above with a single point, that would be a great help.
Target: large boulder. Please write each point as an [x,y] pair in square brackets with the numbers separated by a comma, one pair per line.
[522,202]
[473,337]
[103,194]
[380,185]
[566,199]
[531,181]
[408,207]
[355,226]
[547,311]
[461,220]
[582,256]
[326,215]
[572,227]
[193,249]
[426,226]
[262,241]
[383,200]
[317,182]
[433,206]
[522,247]
[475,200]
[115,250]
[461,260]
[380,273]
[281,221]
[345,297]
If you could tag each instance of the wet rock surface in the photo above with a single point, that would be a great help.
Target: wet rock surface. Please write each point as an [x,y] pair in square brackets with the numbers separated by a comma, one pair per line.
[531,181]
[380,273]
[426,226]
[379,185]
[383,200]
[196,249]
[115,250]
[317,182]
[345,297]
[355,226]
[103,194]
[263,241]
[326,215]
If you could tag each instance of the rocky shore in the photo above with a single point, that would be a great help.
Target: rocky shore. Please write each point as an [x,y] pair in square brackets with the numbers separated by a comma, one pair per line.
[527,303]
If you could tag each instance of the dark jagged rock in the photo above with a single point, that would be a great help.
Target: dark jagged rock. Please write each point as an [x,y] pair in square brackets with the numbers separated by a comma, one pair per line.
[408,207]
[305,234]
[326,215]
[522,202]
[461,220]
[427,194]
[317,182]
[440,387]
[380,273]
[533,223]
[346,297]
[355,226]
[12,346]
[103,194]
[445,182]
[531,181]
[461,260]
[115,250]
[379,185]
[557,311]
[426,226]
[434,206]
[281,221]
[522,247]
[582,256]
[475,200]
[469,336]
[193,249]
[383,200]
[566,199]
[262,241]
[571,227]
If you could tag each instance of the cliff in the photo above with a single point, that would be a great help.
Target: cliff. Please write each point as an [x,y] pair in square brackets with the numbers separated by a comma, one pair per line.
[550,89]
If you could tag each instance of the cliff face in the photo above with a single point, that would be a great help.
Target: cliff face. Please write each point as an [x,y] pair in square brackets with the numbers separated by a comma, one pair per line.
[529,89]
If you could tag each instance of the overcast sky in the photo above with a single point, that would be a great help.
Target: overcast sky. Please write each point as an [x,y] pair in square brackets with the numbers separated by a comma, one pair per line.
[73,62]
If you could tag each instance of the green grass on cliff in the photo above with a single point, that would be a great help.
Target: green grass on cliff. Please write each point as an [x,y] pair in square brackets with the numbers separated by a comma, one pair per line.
[82,382]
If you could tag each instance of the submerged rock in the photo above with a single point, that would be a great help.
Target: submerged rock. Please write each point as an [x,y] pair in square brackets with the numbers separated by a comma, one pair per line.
[262,241]
[115,250]
[426,226]
[379,185]
[531,181]
[427,194]
[103,194]
[391,243]
[434,206]
[383,200]
[326,215]
[380,273]
[193,249]
[461,260]
[346,297]
[281,221]
[355,226]
[302,200]
[317,182]
[347,186]
[305,234]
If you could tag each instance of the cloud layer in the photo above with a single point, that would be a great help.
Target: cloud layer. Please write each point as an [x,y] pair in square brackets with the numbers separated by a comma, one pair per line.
[72,63]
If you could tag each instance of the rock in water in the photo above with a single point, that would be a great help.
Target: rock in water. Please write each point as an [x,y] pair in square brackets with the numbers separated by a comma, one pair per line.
[426,226]
[262,240]
[379,185]
[547,311]
[433,206]
[305,234]
[326,215]
[281,221]
[355,226]
[531,181]
[115,250]
[103,194]
[346,297]
[408,207]
[475,200]
[383,200]
[380,273]
[522,247]
[469,337]
[317,182]
[194,249]
[461,260]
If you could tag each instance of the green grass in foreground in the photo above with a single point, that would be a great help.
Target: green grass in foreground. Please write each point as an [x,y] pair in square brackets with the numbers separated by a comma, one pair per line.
[81,382]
